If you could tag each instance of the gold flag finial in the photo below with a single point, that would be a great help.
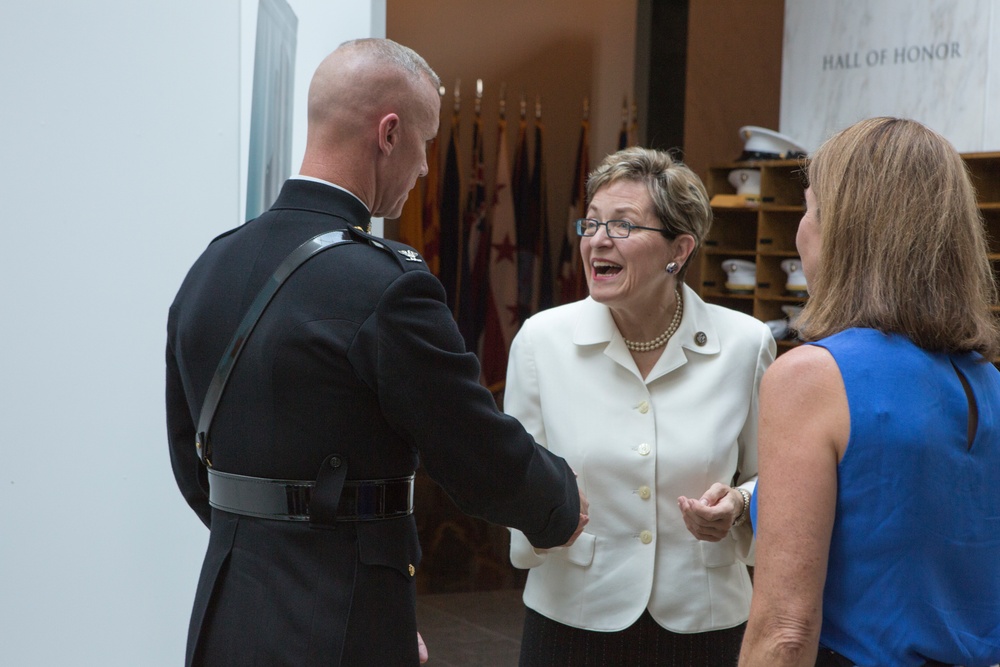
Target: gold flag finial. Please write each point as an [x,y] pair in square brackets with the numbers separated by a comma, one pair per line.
[538,107]
[479,95]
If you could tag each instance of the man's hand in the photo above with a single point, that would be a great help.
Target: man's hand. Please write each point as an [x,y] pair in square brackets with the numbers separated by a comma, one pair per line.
[584,519]
[710,517]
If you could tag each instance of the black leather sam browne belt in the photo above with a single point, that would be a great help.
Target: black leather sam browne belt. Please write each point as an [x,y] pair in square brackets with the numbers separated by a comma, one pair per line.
[290,500]
[331,497]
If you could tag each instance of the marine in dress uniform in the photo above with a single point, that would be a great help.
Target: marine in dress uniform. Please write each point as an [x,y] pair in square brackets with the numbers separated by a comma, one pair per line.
[354,373]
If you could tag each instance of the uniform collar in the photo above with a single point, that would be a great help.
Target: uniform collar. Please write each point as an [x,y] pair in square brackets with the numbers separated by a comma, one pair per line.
[321,197]
[313,179]
[596,326]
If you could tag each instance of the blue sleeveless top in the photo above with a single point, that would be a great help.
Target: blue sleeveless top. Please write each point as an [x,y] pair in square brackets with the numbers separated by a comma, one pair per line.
[914,570]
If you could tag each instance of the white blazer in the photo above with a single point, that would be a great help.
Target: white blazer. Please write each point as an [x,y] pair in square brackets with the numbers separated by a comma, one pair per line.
[636,445]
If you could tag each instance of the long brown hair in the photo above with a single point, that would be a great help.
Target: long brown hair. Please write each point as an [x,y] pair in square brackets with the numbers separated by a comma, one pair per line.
[903,249]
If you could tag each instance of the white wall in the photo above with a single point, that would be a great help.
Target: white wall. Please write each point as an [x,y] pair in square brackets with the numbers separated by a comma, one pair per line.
[121,141]
[323,24]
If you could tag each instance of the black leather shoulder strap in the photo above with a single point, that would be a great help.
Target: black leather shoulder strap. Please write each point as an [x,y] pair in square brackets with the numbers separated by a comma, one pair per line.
[288,266]
[406,257]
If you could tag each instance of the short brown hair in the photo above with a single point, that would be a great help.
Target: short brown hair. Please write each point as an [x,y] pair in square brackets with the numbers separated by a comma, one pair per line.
[903,249]
[392,53]
[679,197]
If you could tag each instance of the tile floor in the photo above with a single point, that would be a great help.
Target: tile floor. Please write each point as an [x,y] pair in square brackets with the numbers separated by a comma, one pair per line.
[479,629]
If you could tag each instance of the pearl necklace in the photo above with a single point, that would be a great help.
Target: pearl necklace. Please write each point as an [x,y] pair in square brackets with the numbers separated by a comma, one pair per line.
[662,339]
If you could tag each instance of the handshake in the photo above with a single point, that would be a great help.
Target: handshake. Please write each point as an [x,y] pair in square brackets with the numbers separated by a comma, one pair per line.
[584,519]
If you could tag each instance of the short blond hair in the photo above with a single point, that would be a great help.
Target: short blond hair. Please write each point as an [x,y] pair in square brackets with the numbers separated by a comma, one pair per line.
[680,201]
[903,249]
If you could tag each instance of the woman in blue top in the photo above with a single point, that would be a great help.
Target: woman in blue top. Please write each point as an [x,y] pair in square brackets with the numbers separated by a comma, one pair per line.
[878,537]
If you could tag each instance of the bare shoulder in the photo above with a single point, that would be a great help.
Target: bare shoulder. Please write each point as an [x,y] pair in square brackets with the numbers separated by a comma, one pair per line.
[803,391]
[805,368]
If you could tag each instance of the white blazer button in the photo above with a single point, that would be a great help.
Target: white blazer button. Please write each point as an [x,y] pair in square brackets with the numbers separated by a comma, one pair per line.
[646,537]
[644,407]
[644,449]
[644,492]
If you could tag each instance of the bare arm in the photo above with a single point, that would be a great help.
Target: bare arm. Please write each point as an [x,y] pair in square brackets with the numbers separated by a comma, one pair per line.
[804,429]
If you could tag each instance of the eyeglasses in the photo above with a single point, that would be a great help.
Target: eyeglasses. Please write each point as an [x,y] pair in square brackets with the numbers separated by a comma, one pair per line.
[617,229]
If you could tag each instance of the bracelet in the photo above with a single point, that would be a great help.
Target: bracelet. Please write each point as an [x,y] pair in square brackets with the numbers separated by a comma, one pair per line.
[744,514]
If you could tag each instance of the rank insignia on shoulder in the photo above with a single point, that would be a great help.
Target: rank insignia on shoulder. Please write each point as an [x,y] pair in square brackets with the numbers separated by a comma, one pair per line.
[410,255]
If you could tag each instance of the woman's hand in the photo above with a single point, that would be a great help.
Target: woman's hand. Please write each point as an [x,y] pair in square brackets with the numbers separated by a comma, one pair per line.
[710,517]
[421,649]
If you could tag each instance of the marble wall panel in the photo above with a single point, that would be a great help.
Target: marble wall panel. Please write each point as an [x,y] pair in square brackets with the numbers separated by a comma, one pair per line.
[930,60]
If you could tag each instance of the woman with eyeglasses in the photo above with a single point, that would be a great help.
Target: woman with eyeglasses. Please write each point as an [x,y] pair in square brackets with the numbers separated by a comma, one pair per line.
[651,396]
[879,500]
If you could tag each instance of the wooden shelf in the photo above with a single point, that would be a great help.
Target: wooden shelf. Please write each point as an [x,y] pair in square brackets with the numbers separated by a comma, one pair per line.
[767,252]
[716,294]
[766,233]
[733,252]
[791,208]
[784,298]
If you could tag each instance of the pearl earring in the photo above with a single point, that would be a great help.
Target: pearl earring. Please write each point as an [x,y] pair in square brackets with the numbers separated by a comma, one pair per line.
[672,268]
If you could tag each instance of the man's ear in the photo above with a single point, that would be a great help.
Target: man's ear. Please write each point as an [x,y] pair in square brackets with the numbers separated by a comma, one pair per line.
[388,133]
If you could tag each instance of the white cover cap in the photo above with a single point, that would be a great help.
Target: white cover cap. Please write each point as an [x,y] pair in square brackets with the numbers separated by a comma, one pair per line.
[760,143]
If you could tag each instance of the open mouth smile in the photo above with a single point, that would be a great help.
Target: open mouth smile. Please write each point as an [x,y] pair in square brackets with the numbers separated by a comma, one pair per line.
[605,269]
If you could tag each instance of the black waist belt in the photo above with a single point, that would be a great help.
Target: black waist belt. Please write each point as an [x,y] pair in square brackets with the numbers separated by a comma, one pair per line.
[288,500]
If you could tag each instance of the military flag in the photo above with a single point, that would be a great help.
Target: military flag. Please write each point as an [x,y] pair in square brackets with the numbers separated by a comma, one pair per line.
[411,220]
[623,132]
[502,320]
[527,233]
[539,220]
[431,215]
[633,126]
[474,252]
[572,283]
[449,238]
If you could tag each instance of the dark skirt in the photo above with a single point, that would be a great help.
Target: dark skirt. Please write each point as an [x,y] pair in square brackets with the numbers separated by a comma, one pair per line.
[548,643]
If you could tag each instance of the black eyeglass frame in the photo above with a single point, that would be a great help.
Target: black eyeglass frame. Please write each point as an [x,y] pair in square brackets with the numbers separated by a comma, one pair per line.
[580,222]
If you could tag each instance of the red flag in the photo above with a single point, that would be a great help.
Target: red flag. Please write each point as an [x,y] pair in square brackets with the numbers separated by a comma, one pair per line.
[572,283]
[502,319]
[431,217]
[474,253]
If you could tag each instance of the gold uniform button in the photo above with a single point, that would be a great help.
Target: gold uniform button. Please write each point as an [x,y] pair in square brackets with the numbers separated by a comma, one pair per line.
[644,407]
[644,449]
[644,492]
[646,537]
[412,569]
